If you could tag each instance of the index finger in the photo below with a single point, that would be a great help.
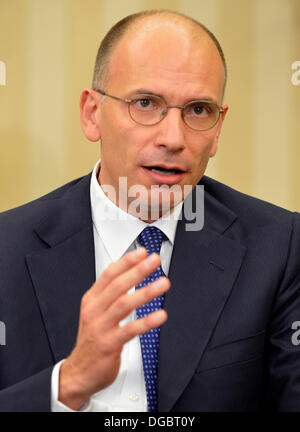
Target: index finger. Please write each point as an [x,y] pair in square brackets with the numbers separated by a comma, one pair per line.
[117,268]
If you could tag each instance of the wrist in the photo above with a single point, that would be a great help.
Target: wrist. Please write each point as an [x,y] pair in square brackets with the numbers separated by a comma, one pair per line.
[70,391]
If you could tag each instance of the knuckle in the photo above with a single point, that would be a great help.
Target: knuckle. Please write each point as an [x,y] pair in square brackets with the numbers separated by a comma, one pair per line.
[123,302]
[138,273]
[85,311]
[131,329]
[85,316]
[84,301]
[108,272]
[142,325]
[128,259]
[144,295]
[147,291]
[116,285]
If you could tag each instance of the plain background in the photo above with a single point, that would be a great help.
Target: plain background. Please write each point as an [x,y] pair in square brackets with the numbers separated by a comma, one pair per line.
[49,48]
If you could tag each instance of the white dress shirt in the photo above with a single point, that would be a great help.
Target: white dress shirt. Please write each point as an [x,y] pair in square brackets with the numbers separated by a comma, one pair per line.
[115,234]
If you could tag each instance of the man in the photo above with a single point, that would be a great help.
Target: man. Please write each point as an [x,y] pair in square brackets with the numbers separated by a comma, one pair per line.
[224,317]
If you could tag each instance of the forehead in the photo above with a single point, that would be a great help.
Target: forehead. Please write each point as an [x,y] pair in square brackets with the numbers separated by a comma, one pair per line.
[169,59]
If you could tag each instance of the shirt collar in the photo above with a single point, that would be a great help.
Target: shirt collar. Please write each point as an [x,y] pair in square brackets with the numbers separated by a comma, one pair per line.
[111,222]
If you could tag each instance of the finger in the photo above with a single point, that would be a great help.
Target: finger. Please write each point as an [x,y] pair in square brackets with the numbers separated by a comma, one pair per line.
[116,268]
[126,303]
[124,334]
[121,284]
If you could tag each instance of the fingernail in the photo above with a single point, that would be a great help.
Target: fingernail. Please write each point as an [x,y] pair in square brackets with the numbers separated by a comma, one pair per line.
[159,283]
[158,315]
[152,258]
[139,251]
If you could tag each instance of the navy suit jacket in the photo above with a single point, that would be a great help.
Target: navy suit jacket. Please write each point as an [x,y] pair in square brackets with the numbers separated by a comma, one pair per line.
[235,293]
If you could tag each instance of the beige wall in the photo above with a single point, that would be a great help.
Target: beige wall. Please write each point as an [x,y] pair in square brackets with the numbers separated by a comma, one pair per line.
[49,46]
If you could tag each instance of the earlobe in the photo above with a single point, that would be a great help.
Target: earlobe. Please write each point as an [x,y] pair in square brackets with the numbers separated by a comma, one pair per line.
[214,148]
[89,104]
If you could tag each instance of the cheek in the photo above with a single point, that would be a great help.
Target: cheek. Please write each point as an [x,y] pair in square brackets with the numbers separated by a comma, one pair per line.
[122,149]
[200,155]
[113,139]
[136,143]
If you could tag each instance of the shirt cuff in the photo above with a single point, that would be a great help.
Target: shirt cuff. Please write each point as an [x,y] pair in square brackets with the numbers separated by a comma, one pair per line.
[56,405]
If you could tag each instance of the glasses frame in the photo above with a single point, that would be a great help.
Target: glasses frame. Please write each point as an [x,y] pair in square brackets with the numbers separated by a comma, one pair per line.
[164,113]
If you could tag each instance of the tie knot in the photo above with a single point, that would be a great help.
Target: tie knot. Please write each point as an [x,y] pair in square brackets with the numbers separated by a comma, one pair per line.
[151,238]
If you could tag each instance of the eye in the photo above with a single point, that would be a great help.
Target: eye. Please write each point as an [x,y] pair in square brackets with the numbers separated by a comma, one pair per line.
[198,109]
[145,103]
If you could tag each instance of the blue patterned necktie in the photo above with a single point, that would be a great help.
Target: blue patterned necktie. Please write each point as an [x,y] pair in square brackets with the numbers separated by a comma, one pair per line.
[151,238]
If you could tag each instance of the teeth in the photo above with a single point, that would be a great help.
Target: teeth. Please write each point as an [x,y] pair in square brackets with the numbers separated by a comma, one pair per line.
[164,172]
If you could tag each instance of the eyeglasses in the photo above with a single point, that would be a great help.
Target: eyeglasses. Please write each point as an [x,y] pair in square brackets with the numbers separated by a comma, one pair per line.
[148,110]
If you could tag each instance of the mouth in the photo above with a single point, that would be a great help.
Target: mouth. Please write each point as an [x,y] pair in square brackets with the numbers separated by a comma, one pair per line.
[165,174]
[164,171]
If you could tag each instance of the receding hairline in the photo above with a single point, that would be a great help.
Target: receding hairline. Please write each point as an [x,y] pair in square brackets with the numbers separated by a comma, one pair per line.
[132,22]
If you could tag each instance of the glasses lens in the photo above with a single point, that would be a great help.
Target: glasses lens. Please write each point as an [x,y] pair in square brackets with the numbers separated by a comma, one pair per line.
[201,115]
[147,109]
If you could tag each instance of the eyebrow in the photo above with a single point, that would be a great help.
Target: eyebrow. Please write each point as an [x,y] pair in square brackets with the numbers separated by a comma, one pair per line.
[145,91]
[149,92]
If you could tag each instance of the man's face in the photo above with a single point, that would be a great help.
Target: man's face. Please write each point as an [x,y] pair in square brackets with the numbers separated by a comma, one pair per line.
[166,61]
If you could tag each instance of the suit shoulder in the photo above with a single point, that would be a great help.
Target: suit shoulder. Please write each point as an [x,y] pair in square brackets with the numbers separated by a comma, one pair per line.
[35,208]
[246,206]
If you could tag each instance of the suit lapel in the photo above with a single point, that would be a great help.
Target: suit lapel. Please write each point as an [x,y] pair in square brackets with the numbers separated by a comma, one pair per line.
[203,269]
[63,271]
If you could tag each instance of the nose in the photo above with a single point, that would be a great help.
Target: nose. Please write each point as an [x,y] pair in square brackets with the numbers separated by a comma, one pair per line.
[171,131]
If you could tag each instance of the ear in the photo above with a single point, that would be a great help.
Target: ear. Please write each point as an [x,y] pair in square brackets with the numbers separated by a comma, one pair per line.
[214,148]
[89,114]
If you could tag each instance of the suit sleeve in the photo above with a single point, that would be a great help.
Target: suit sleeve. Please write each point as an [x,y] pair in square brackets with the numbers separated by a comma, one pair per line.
[32,394]
[283,360]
